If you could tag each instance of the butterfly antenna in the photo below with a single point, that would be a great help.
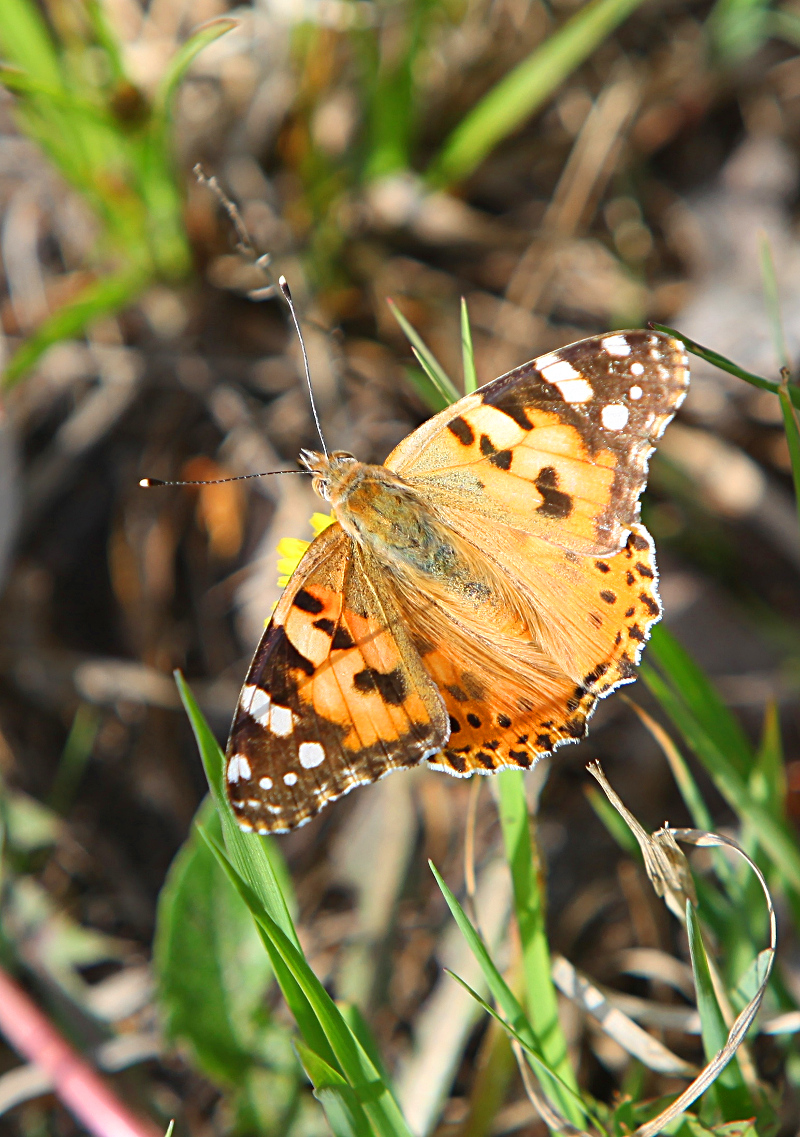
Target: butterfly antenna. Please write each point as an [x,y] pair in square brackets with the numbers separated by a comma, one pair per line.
[149,483]
[284,287]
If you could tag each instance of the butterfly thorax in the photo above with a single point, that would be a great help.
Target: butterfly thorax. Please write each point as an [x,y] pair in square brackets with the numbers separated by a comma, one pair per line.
[387,516]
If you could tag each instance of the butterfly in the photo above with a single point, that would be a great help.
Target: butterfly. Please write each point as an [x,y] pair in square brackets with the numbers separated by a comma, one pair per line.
[475,595]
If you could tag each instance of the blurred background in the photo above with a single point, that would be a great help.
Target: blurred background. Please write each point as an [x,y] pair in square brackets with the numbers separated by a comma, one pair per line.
[565,168]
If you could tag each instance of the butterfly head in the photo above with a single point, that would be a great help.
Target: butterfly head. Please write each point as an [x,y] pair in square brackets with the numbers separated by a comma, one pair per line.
[331,472]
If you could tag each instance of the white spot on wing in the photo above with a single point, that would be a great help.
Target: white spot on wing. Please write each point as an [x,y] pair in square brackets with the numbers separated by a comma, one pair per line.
[245,826]
[546,360]
[238,767]
[265,783]
[636,392]
[637,369]
[290,779]
[281,721]
[246,697]
[616,345]
[575,390]
[258,707]
[558,371]
[311,754]
[614,416]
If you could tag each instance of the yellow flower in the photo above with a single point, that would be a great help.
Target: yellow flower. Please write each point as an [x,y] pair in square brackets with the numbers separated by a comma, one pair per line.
[291,549]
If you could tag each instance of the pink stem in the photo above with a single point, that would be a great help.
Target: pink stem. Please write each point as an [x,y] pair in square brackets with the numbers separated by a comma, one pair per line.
[75,1082]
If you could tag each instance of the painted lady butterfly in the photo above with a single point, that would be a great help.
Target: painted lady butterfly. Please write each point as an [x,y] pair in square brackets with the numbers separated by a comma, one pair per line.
[476,594]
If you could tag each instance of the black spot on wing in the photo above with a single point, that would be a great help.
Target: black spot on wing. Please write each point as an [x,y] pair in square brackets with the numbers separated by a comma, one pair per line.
[506,396]
[390,685]
[458,693]
[325,625]
[462,430]
[500,458]
[555,504]
[609,596]
[575,727]
[342,641]
[307,603]
[473,720]
[296,660]
[456,761]
[649,603]
[592,676]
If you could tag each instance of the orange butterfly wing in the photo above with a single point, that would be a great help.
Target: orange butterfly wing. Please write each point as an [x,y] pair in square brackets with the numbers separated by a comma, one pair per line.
[559,447]
[541,470]
[335,697]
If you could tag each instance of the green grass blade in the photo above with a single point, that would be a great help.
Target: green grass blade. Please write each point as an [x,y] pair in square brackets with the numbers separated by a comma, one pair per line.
[213,973]
[701,697]
[772,300]
[74,757]
[433,398]
[561,1094]
[247,851]
[768,777]
[775,838]
[501,992]
[444,390]
[732,1094]
[467,352]
[342,1108]
[39,93]
[523,91]
[25,41]
[254,859]
[724,364]
[250,869]
[183,59]
[102,297]
[792,428]
[352,1061]
[738,27]
[615,824]
[427,360]
[541,999]
[360,1030]
[542,1070]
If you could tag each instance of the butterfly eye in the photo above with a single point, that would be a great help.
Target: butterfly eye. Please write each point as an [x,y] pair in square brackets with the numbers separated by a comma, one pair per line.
[343,456]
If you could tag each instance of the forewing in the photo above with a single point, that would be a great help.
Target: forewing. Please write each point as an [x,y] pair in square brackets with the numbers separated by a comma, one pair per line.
[559,447]
[336,695]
